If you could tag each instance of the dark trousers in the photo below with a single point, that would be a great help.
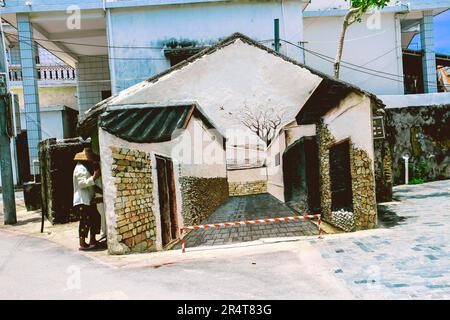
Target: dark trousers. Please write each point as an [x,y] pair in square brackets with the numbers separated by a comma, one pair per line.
[90,220]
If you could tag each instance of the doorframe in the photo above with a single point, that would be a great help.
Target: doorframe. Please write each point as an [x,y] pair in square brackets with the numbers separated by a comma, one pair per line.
[174,206]
[335,143]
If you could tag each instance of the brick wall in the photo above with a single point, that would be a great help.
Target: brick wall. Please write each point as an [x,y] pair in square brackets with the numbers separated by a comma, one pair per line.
[135,218]
[247,188]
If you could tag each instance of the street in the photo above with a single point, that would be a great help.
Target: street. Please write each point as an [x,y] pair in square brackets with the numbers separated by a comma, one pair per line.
[19,200]
[408,257]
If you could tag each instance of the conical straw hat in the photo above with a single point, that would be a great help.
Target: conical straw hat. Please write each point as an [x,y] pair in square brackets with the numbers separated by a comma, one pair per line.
[86,155]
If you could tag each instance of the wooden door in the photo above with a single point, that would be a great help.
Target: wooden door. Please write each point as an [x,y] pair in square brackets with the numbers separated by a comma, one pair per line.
[167,199]
[340,177]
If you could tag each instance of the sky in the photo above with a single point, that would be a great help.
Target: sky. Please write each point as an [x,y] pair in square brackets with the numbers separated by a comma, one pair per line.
[441,34]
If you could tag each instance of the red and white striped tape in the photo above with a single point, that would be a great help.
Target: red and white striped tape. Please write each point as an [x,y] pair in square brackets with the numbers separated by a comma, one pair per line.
[247,222]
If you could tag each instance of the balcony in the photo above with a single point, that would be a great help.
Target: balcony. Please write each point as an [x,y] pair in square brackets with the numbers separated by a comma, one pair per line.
[48,75]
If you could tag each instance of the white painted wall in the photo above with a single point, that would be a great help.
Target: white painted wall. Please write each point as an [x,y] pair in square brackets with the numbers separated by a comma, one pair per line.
[298,131]
[425,99]
[245,155]
[287,136]
[353,119]
[374,43]
[203,23]
[203,143]
[247,175]
[51,122]
[275,185]
[327,4]
[241,75]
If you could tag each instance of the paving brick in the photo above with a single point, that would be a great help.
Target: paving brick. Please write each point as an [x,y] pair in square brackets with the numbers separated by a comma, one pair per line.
[250,207]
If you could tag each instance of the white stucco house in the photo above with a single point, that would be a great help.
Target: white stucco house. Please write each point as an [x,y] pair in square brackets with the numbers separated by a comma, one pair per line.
[163,167]
[221,79]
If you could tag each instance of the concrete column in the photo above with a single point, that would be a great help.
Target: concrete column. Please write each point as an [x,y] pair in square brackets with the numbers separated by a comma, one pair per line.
[30,86]
[428,57]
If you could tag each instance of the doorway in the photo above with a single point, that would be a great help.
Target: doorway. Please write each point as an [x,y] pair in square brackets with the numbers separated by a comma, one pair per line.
[167,200]
[301,175]
[340,177]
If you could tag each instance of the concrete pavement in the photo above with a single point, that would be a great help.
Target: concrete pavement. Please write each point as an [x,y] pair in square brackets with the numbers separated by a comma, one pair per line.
[32,268]
[407,258]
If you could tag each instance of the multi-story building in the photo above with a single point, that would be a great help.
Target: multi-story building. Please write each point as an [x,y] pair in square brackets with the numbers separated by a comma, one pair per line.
[57,99]
[378,52]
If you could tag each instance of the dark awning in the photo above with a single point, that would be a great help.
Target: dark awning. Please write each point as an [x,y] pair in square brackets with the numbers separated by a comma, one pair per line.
[325,97]
[148,124]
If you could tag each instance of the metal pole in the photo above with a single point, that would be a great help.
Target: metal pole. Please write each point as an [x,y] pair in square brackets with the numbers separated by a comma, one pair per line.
[276,30]
[9,203]
[406,158]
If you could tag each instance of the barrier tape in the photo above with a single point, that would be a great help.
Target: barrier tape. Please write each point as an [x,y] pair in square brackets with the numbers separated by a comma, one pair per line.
[247,222]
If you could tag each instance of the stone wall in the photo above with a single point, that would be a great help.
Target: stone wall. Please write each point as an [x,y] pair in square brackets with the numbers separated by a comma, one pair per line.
[135,218]
[201,196]
[247,188]
[422,132]
[363,187]
[383,170]
[363,184]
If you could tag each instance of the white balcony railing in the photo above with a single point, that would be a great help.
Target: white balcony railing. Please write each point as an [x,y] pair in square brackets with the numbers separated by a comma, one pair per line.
[49,73]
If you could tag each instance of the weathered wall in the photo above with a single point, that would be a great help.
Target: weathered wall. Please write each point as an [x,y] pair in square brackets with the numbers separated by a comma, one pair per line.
[52,96]
[256,79]
[201,196]
[334,127]
[247,188]
[201,24]
[133,205]
[56,167]
[247,181]
[383,170]
[422,132]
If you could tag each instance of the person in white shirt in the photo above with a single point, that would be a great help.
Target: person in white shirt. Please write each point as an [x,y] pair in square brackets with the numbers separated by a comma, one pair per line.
[84,190]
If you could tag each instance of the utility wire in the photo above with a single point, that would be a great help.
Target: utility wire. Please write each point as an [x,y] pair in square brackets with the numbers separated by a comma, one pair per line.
[352,66]
[345,64]
[86,55]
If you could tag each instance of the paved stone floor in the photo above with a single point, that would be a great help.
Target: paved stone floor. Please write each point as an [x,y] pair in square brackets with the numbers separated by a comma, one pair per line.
[409,260]
[251,207]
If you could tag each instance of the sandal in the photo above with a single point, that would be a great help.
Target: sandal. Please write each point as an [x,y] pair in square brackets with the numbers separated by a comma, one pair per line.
[89,247]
